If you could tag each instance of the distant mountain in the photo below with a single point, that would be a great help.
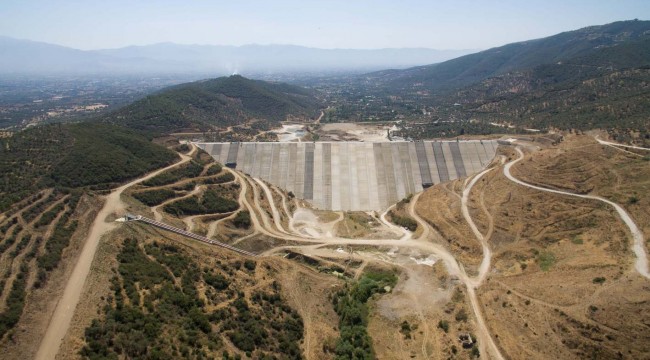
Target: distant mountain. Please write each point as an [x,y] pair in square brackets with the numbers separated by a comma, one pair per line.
[224,101]
[473,68]
[31,57]
[23,56]
[282,58]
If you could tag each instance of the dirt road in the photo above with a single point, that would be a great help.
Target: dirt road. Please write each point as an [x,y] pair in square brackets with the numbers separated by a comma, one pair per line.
[641,264]
[621,145]
[65,308]
[487,253]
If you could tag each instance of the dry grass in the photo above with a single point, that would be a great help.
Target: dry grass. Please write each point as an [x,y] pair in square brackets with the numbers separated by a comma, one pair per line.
[541,298]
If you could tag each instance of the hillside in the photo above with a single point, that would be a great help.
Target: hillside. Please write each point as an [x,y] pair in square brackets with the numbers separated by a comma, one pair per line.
[74,155]
[607,89]
[472,68]
[220,102]
[602,87]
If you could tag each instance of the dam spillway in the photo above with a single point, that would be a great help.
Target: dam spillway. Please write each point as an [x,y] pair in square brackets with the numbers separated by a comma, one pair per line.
[355,175]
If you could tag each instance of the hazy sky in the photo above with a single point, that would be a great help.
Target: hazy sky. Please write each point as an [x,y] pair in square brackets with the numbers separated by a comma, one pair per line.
[461,24]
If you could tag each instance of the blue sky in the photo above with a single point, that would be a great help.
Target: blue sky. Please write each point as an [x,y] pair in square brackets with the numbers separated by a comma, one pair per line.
[461,24]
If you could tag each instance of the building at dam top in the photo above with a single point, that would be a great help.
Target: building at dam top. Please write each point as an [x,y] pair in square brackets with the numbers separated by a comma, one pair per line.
[355,175]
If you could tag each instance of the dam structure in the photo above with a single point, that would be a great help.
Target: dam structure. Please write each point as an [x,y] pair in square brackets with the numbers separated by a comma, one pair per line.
[355,176]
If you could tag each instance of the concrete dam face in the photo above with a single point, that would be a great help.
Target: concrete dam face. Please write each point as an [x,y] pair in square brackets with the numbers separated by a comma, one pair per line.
[355,175]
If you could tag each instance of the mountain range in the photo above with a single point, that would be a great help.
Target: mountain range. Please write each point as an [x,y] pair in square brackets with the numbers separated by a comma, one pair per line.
[23,56]
[578,45]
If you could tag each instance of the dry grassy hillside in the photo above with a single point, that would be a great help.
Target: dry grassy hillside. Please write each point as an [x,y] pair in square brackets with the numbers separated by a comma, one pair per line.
[562,282]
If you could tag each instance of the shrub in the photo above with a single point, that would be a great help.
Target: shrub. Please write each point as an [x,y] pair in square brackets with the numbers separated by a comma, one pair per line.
[189,170]
[403,221]
[546,260]
[242,220]
[213,170]
[444,325]
[599,280]
[461,315]
[154,197]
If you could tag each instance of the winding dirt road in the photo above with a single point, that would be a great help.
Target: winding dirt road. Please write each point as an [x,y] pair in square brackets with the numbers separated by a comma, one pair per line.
[641,264]
[484,268]
[65,308]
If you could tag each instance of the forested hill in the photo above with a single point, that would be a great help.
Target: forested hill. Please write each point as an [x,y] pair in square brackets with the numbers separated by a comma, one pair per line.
[72,156]
[217,102]
[519,56]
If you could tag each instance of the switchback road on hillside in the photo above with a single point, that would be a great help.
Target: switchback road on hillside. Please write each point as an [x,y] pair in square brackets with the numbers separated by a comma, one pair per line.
[641,264]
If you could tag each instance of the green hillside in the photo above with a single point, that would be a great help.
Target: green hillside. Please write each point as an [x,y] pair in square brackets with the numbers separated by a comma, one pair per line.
[218,102]
[473,68]
[74,155]
[607,89]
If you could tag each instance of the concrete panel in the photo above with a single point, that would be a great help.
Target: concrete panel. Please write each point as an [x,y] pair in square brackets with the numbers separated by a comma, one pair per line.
[459,164]
[415,168]
[318,176]
[308,192]
[398,172]
[216,152]
[240,155]
[283,165]
[327,176]
[362,177]
[439,159]
[249,158]
[380,171]
[467,160]
[223,155]
[474,155]
[299,181]
[263,160]
[391,185]
[373,186]
[207,148]
[232,153]
[291,170]
[451,168]
[274,177]
[344,163]
[423,162]
[336,177]
[354,176]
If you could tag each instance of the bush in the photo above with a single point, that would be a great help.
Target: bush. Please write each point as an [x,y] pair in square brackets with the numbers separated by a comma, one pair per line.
[599,280]
[461,315]
[444,325]
[210,203]
[242,220]
[154,197]
[214,170]
[403,221]
[354,341]
[546,260]
[227,177]
[189,170]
